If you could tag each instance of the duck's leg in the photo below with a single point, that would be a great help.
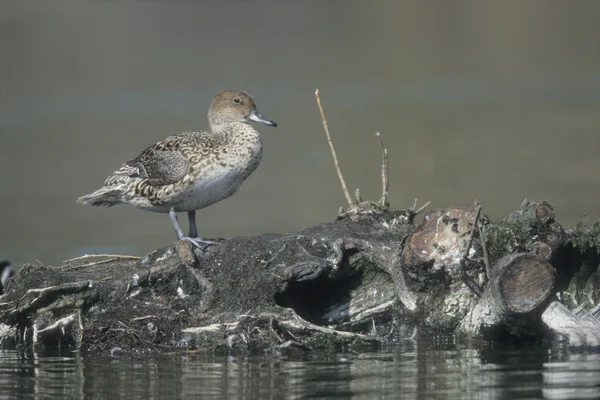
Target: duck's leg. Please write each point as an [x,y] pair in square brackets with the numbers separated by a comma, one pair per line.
[202,244]
[193,228]
[178,230]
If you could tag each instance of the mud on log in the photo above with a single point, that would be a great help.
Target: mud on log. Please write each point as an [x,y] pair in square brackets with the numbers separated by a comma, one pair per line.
[368,277]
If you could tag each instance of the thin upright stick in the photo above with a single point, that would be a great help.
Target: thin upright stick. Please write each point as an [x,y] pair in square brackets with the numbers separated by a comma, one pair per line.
[470,242]
[466,279]
[486,259]
[385,181]
[335,160]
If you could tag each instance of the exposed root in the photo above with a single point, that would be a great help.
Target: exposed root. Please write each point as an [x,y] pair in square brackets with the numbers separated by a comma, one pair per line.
[69,325]
[361,316]
[45,296]
[299,324]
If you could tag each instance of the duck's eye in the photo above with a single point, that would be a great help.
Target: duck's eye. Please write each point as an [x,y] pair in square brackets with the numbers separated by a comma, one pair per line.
[237,100]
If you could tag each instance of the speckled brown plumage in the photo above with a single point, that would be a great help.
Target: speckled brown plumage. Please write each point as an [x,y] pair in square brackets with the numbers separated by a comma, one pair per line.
[192,170]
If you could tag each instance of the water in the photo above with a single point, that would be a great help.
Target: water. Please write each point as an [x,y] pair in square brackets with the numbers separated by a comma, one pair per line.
[496,101]
[404,372]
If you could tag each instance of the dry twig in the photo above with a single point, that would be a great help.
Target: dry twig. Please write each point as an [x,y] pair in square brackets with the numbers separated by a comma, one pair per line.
[486,260]
[466,279]
[384,173]
[481,231]
[86,256]
[108,260]
[144,317]
[424,206]
[111,258]
[416,211]
[335,160]
[358,196]
[470,243]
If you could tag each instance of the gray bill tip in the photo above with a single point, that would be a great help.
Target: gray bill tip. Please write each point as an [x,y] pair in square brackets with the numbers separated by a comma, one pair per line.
[258,117]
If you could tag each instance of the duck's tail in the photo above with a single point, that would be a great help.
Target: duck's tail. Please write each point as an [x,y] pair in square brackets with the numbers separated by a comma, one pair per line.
[104,197]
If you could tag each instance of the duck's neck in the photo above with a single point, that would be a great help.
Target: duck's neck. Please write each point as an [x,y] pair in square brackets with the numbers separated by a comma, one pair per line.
[235,131]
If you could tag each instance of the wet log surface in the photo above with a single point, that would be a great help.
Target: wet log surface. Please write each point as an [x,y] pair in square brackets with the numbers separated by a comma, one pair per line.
[370,276]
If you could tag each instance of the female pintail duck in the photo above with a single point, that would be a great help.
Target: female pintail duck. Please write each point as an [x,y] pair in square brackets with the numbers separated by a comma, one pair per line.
[192,170]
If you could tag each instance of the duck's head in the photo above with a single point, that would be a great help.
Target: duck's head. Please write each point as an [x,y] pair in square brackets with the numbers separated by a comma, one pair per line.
[234,106]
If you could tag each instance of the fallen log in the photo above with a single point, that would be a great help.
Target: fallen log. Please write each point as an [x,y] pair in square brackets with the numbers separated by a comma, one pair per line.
[519,285]
[370,276]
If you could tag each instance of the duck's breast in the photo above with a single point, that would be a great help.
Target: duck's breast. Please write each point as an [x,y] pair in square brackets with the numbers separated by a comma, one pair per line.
[217,179]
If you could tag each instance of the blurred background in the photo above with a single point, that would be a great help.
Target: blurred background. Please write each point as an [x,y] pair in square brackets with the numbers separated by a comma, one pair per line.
[496,101]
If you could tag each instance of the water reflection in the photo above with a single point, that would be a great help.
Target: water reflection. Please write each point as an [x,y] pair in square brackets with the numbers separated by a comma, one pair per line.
[575,376]
[402,372]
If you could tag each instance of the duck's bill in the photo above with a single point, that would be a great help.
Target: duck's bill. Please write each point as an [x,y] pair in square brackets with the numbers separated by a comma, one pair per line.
[258,117]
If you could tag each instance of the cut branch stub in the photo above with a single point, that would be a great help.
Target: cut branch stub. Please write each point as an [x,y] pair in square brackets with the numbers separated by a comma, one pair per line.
[441,237]
[544,213]
[519,285]
[523,281]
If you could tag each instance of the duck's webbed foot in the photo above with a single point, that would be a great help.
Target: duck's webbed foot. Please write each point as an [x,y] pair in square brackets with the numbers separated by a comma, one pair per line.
[202,244]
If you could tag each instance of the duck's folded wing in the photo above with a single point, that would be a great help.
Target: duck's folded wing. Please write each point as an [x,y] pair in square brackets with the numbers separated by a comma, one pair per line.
[161,167]
[163,163]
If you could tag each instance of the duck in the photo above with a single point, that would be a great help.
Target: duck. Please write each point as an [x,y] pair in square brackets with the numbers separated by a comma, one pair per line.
[6,271]
[192,170]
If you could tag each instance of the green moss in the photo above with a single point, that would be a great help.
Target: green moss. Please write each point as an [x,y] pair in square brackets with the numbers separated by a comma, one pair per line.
[511,235]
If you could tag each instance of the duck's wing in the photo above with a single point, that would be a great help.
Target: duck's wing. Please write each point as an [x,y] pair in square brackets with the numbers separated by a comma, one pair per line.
[163,163]
[163,167]
[167,161]
[158,167]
